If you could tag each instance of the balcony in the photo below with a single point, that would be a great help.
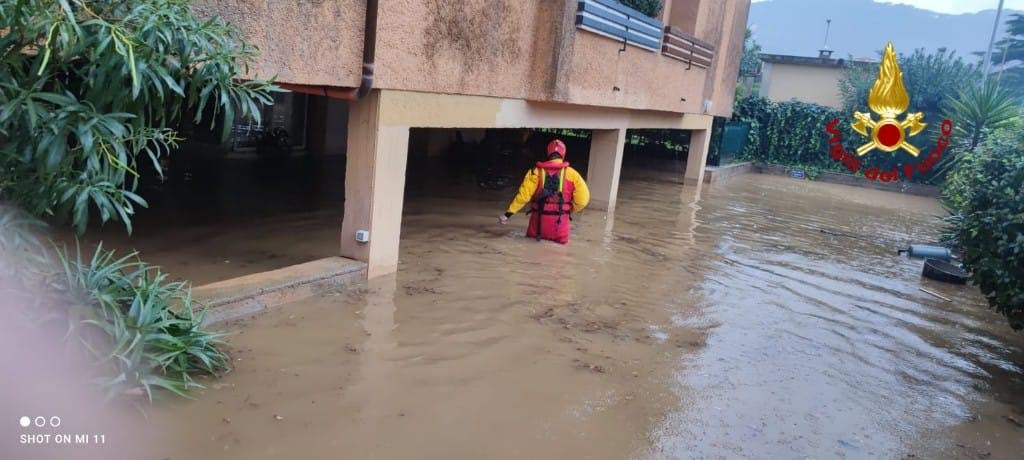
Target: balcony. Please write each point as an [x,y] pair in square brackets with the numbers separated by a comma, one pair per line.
[687,48]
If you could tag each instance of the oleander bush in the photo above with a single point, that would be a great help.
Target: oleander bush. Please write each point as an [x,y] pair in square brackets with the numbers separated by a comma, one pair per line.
[92,91]
[89,89]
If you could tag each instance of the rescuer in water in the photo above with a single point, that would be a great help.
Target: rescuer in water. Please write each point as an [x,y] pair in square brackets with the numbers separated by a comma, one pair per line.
[554,191]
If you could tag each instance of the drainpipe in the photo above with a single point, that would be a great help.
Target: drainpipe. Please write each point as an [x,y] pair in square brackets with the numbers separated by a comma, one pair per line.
[369,56]
[369,53]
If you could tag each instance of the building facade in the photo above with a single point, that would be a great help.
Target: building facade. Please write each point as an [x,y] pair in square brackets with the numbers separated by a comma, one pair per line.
[377,68]
[806,79]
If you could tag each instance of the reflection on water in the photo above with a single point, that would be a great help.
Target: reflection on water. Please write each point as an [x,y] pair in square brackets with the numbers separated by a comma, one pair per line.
[764,318]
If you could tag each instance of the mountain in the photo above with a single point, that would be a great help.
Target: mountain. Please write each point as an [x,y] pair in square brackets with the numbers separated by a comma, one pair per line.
[860,28]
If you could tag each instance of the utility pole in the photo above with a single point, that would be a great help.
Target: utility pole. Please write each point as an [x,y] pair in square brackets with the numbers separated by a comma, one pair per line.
[991,41]
[825,52]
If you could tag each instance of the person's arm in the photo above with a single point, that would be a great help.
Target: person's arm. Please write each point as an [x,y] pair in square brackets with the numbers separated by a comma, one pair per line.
[580,193]
[525,194]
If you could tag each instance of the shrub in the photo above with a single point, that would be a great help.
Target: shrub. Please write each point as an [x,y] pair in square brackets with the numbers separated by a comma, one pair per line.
[91,89]
[985,191]
[651,8]
[139,328]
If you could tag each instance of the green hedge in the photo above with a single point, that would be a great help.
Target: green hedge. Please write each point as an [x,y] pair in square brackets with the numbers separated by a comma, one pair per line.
[788,133]
[985,191]
[792,133]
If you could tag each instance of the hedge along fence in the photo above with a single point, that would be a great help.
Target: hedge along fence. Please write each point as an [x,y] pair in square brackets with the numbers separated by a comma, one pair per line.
[793,134]
[787,133]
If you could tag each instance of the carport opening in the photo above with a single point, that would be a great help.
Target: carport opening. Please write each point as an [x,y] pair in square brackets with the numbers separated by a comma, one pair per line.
[659,154]
[481,165]
[269,196]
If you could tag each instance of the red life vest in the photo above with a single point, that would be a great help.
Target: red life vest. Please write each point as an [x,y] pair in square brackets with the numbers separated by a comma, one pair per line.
[551,204]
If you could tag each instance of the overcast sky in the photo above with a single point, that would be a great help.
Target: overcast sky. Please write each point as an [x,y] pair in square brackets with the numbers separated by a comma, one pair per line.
[956,6]
[959,6]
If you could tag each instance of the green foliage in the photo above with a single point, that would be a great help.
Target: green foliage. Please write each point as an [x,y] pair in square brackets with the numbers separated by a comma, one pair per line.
[750,62]
[89,88]
[788,133]
[932,81]
[138,327]
[651,8]
[23,253]
[979,109]
[985,191]
[1008,56]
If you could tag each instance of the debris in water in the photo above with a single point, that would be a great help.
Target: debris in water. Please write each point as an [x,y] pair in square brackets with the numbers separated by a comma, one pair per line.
[1014,421]
[226,419]
[591,367]
[278,417]
[947,299]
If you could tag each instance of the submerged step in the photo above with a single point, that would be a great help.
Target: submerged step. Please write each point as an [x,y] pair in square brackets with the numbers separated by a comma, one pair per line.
[245,295]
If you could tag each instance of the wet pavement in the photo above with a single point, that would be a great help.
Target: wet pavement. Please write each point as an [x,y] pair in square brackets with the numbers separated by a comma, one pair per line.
[764,317]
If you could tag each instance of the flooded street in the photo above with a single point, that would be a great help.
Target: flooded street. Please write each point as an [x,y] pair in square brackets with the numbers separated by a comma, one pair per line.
[763,317]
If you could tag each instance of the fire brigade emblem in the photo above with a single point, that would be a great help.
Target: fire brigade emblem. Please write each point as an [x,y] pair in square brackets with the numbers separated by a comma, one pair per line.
[888,99]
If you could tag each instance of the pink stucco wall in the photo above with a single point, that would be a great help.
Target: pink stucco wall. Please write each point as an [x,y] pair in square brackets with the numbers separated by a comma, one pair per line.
[522,49]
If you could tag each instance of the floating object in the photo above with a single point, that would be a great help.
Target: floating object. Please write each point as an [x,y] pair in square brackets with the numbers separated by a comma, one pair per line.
[940,270]
[927,252]
[832,233]
[796,173]
[947,299]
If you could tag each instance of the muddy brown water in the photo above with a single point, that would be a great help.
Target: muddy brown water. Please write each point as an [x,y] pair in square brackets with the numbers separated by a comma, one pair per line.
[762,318]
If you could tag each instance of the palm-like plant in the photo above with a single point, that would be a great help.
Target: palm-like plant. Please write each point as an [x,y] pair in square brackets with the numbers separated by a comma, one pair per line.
[140,328]
[977,110]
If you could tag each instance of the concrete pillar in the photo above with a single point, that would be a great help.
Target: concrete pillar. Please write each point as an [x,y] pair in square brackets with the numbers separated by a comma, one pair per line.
[374,186]
[700,140]
[604,168]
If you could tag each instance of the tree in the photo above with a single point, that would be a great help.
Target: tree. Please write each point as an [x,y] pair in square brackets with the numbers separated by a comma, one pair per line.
[750,62]
[89,88]
[1008,56]
[931,80]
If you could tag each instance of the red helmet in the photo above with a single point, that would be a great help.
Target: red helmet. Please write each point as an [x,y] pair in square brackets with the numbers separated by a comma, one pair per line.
[556,146]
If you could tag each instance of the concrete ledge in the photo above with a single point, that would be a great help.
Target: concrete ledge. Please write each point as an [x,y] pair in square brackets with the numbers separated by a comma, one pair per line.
[714,174]
[245,295]
[856,181]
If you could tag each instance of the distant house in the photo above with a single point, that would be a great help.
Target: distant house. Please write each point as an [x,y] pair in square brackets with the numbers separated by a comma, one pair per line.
[801,78]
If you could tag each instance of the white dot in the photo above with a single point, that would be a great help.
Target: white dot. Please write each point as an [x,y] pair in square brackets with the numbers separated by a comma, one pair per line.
[25,421]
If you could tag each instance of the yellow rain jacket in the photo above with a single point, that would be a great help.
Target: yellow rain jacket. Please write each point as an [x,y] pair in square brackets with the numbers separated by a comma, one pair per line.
[580,196]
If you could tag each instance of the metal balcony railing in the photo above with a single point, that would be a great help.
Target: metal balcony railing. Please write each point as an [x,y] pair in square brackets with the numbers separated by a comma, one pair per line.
[619,22]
